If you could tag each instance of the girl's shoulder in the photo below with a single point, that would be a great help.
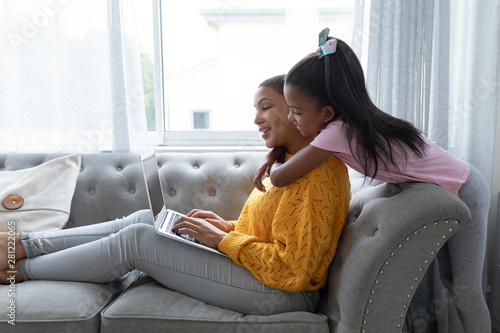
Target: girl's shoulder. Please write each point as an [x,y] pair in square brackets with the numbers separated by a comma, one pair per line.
[333,137]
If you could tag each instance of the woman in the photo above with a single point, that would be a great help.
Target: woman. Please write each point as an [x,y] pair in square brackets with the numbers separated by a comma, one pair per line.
[279,249]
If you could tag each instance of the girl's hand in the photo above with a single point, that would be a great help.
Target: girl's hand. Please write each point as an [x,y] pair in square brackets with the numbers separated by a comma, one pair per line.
[257,181]
[277,153]
[201,229]
[212,218]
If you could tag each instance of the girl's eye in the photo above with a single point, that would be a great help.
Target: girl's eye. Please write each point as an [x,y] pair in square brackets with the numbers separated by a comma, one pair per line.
[265,108]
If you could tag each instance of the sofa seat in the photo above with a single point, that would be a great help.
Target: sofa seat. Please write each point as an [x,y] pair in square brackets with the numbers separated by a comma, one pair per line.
[147,306]
[59,306]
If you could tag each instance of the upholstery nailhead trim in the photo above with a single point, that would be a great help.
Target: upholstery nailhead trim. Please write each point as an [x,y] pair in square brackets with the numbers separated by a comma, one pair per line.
[415,279]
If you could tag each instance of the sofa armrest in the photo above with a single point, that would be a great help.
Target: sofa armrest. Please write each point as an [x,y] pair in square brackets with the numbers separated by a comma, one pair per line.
[393,233]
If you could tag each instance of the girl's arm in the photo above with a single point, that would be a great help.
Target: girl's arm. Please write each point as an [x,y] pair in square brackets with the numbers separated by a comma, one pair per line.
[305,160]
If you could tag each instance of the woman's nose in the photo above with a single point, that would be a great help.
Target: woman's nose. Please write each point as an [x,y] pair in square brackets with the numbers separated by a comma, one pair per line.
[290,115]
[258,119]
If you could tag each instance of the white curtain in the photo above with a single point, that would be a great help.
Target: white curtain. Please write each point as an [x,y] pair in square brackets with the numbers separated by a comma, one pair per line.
[70,76]
[435,64]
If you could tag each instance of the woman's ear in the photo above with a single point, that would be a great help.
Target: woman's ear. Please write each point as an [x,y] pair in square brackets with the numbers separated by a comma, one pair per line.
[329,113]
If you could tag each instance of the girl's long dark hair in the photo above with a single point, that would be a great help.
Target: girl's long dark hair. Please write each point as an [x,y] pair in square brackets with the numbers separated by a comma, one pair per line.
[338,80]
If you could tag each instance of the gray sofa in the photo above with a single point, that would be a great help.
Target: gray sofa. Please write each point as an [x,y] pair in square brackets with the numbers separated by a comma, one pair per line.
[393,233]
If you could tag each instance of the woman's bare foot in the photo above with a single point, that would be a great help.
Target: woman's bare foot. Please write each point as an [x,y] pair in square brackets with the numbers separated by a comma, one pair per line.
[11,250]
[10,276]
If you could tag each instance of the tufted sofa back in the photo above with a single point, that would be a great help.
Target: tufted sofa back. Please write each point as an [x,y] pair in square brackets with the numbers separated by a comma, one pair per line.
[111,185]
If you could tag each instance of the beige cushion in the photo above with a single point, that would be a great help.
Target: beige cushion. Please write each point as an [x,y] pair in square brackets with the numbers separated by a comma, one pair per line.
[38,198]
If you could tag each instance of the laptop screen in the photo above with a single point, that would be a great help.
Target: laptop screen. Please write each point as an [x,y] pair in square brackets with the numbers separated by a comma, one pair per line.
[152,179]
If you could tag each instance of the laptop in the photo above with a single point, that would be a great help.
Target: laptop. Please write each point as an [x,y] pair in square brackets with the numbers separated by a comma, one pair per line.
[163,218]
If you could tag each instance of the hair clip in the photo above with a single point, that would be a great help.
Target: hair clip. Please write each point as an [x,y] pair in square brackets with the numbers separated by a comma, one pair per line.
[326,46]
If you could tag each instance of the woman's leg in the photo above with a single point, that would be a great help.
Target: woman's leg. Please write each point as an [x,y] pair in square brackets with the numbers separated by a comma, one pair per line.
[28,245]
[467,254]
[40,243]
[200,274]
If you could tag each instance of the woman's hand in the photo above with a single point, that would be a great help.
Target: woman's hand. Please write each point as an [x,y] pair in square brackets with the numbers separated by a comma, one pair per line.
[213,218]
[206,227]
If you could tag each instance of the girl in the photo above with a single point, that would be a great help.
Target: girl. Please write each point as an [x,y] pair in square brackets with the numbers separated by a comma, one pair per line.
[328,100]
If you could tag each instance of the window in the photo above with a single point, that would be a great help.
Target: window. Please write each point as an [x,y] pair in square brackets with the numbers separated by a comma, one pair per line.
[201,119]
[212,55]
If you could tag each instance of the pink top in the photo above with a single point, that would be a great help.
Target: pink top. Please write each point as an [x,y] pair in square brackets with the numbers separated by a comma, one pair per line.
[437,166]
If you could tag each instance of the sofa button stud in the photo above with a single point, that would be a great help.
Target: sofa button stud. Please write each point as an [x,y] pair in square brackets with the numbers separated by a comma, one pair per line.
[132,191]
[92,192]
[236,165]
[173,192]
[212,193]
[119,168]
[13,202]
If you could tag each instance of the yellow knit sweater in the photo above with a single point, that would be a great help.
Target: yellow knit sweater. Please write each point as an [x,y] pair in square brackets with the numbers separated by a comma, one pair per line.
[287,237]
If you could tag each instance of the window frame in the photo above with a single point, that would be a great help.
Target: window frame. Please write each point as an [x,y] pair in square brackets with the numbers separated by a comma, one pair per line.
[190,140]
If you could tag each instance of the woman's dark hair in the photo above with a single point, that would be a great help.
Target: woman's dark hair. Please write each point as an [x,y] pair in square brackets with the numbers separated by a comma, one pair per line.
[276,82]
[337,80]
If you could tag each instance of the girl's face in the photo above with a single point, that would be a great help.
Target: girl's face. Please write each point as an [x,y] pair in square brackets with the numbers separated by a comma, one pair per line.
[305,111]
[271,117]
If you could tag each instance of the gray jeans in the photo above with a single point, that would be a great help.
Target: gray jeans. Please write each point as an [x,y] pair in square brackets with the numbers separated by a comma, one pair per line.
[106,251]
[452,298]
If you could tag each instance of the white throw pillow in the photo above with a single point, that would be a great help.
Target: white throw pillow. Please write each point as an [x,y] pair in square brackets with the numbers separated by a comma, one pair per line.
[38,198]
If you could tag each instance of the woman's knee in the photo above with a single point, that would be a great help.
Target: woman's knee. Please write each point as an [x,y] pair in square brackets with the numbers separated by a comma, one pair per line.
[140,217]
[141,233]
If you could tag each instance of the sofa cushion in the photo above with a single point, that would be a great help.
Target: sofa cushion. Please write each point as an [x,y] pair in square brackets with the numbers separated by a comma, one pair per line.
[38,198]
[148,306]
[54,306]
